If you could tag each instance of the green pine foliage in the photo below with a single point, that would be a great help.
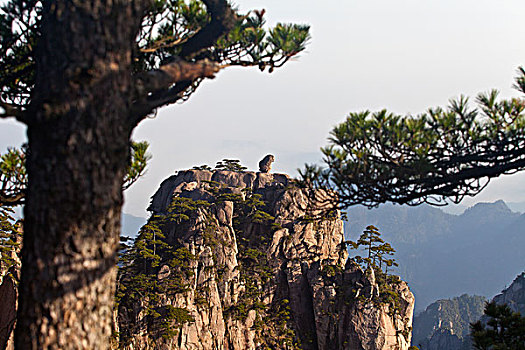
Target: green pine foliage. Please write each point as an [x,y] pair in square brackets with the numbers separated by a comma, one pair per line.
[379,256]
[13,176]
[202,167]
[230,165]
[439,156]
[171,22]
[144,261]
[140,265]
[388,294]
[138,163]
[379,253]
[254,227]
[271,49]
[255,271]
[504,330]
[19,32]
[8,239]
[13,182]
[167,27]
[282,335]
[181,209]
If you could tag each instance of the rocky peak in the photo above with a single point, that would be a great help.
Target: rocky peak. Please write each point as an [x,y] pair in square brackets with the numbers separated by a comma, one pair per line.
[247,262]
[485,208]
[445,324]
[192,183]
[514,295]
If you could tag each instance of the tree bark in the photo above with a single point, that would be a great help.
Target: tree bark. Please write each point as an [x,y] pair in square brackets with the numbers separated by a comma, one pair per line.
[78,151]
[7,310]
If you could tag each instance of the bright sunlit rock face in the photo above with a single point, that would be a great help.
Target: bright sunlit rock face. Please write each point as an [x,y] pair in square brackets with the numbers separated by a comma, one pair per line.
[256,265]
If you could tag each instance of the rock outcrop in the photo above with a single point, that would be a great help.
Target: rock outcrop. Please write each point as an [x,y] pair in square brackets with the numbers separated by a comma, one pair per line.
[445,324]
[514,295]
[243,260]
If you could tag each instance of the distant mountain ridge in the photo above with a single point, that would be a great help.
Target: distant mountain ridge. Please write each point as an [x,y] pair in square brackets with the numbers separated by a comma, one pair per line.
[445,323]
[458,209]
[518,207]
[443,255]
[130,225]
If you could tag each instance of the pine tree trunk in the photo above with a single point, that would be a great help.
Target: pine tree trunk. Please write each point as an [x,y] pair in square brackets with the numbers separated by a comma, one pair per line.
[78,151]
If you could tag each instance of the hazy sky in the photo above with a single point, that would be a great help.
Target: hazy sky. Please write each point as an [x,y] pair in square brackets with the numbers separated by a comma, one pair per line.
[403,55]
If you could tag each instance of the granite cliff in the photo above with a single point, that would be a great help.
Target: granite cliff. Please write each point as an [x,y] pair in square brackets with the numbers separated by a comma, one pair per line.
[243,260]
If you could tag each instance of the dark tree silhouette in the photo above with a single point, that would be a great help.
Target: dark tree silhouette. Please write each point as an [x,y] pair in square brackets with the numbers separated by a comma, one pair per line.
[81,75]
[441,155]
[504,329]
[13,174]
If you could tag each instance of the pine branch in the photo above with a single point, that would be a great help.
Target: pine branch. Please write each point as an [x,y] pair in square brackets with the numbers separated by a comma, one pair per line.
[438,157]
[143,107]
[11,110]
[165,85]
[223,19]
[12,199]
[174,72]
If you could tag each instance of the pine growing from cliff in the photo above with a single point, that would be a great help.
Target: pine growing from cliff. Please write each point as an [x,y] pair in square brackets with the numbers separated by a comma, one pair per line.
[378,251]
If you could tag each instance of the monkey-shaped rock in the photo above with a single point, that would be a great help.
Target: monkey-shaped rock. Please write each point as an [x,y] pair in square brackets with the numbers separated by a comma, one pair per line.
[265,165]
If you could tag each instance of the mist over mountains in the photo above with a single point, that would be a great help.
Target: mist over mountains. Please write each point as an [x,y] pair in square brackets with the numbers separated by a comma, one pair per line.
[443,255]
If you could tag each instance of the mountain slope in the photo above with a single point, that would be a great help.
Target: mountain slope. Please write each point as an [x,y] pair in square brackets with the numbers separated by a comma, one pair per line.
[445,324]
[443,255]
[514,295]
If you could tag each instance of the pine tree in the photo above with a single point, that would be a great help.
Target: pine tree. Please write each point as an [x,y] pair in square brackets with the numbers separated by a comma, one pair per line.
[504,329]
[13,177]
[8,239]
[230,165]
[13,174]
[377,250]
[436,157]
[139,283]
[81,75]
